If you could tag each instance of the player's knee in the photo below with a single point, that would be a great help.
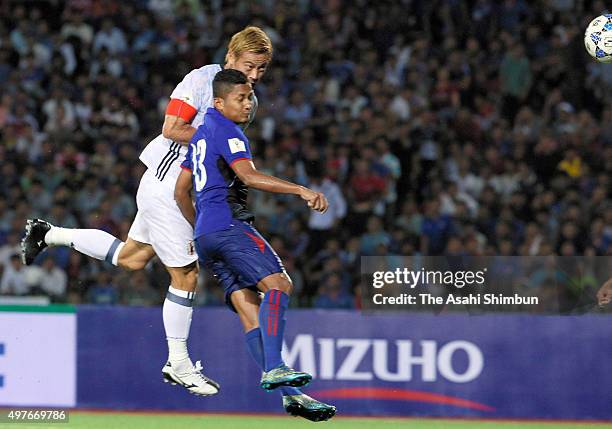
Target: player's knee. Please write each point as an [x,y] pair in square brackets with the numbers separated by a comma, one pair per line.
[288,284]
[191,277]
[285,285]
[185,278]
[280,281]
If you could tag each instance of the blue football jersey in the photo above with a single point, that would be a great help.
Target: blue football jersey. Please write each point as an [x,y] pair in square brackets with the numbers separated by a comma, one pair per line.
[219,195]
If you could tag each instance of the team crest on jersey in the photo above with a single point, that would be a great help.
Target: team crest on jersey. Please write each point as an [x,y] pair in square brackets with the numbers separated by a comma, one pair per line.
[190,248]
[236,145]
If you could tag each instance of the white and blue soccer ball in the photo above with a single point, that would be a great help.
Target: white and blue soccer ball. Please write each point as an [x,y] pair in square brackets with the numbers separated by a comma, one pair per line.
[598,38]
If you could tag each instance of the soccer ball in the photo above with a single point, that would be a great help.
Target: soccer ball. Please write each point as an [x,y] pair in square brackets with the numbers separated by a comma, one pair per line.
[598,38]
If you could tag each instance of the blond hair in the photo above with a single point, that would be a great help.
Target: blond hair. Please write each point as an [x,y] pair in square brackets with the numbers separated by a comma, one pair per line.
[251,39]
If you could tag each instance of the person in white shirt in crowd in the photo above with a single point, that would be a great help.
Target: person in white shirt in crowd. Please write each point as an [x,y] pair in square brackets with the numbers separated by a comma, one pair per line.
[76,26]
[14,281]
[54,280]
[393,164]
[111,38]
[323,224]
[9,248]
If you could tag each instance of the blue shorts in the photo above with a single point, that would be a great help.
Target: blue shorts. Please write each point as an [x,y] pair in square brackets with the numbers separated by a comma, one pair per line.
[239,257]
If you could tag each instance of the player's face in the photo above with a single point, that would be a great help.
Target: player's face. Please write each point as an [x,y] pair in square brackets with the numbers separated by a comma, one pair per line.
[237,104]
[252,65]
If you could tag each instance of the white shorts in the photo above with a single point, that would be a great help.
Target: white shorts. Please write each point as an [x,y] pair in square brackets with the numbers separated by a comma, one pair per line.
[160,223]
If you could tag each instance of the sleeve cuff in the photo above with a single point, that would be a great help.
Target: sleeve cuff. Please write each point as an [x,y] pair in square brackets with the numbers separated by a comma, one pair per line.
[238,159]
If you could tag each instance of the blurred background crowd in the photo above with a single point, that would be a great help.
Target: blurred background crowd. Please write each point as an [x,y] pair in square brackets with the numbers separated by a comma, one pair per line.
[434,127]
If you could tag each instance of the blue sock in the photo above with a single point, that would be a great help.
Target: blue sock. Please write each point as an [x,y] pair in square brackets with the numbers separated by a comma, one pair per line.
[271,317]
[255,347]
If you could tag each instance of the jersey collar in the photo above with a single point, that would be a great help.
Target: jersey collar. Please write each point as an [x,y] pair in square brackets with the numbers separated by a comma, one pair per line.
[218,116]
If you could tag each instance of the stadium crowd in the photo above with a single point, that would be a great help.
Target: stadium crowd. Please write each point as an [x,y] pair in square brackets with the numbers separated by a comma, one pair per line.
[449,127]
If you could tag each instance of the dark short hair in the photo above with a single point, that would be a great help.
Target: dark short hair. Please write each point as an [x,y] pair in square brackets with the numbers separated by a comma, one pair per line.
[225,80]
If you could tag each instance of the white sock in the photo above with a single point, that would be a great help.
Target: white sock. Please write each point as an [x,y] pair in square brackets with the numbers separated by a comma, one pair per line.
[177,312]
[92,242]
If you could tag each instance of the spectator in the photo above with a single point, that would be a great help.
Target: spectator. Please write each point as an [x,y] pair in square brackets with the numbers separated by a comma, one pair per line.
[75,26]
[103,291]
[516,78]
[299,111]
[60,112]
[110,38]
[393,167]
[9,248]
[436,229]
[332,296]
[90,197]
[39,200]
[374,236]
[14,277]
[366,191]
[54,280]
[571,164]
[139,292]
[326,222]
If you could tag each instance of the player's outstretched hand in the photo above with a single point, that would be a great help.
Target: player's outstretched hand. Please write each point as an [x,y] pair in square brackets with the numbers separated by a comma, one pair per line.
[315,200]
[604,294]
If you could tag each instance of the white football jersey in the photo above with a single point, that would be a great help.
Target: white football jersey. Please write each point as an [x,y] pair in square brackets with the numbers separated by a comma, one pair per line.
[163,156]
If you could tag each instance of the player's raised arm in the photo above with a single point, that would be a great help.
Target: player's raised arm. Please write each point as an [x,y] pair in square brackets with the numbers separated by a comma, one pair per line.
[233,99]
[250,176]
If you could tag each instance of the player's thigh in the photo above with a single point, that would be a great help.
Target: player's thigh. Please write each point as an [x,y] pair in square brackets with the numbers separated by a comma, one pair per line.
[135,255]
[230,281]
[184,278]
[252,258]
[246,302]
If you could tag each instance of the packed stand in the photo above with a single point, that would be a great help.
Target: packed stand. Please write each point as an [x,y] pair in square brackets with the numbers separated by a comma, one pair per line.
[480,129]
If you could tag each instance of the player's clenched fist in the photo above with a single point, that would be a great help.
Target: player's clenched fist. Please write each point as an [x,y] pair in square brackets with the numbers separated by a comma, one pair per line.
[320,204]
[604,294]
[315,200]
